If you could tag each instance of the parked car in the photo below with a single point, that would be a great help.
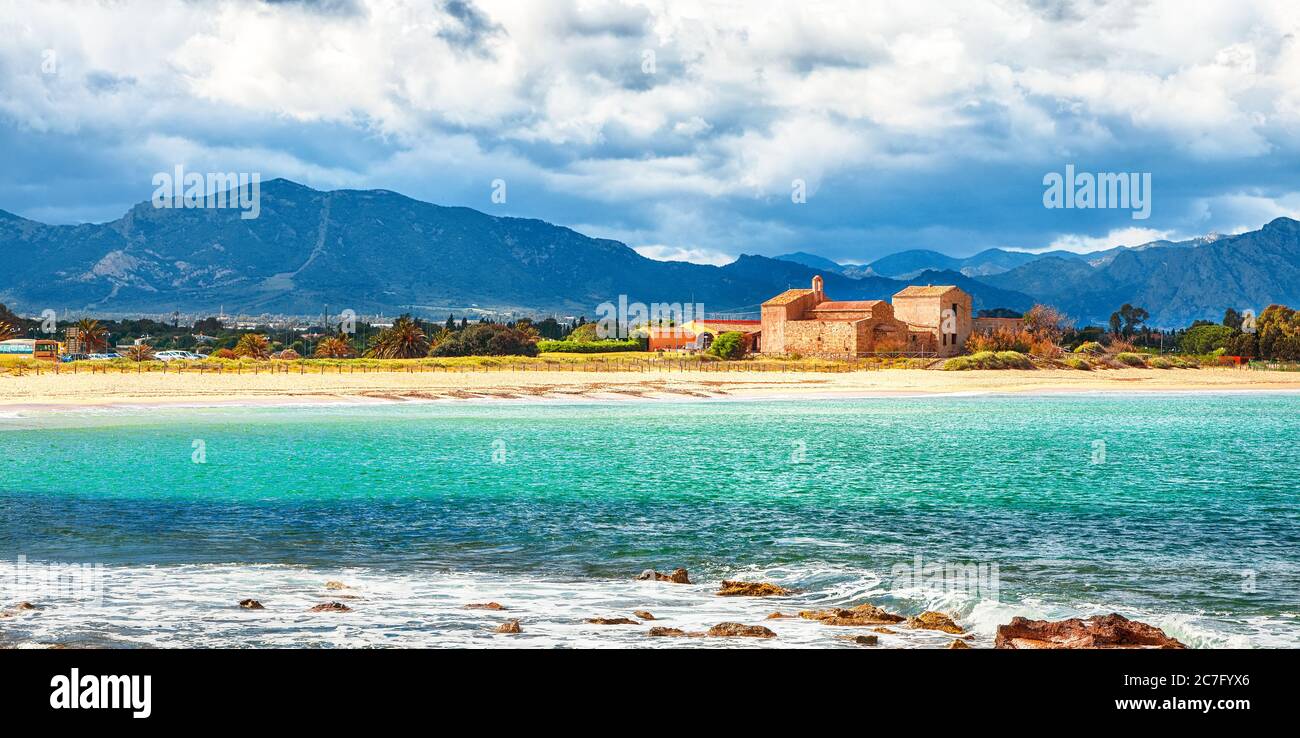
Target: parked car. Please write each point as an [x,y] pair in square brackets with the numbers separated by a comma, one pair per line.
[102,357]
[73,357]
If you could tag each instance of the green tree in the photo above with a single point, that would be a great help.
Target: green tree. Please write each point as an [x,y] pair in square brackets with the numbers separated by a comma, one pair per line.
[253,345]
[486,339]
[1127,319]
[729,345]
[93,335]
[1232,319]
[1204,339]
[404,340]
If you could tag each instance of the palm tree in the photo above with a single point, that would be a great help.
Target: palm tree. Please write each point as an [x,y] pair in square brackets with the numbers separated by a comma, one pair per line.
[405,340]
[253,345]
[7,331]
[334,347]
[139,352]
[93,335]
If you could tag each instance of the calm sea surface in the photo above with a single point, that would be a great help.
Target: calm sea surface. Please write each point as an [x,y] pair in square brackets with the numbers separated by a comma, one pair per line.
[1180,510]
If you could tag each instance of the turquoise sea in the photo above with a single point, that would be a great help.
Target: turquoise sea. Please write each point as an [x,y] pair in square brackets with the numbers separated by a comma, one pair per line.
[1182,510]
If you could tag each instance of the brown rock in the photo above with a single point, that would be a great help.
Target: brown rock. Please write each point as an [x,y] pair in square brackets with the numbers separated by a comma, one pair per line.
[251,605]
[21,607]
[751,589]
[484,606]
[884,630]
[509,626]
[679,576]
[666,632]
[931,620]
[737,630]
[331,607]
[644,614]
[861,640]
[612,621]
[860,615]
[778,616]
[336,585]
[956,643]
[1103,631]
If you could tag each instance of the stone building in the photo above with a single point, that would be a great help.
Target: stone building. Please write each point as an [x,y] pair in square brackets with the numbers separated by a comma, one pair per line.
[804,321]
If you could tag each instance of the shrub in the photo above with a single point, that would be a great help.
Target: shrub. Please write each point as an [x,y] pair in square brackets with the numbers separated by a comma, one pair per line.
[1119,345]
[1131,359]
[587,347]
[1161,362]
[1092,348]
[487,339]
[288,355]
[1075,362]
[729,345]
[989,360]
[1000,339]
[223,354]
[1014,360]
[1044,348]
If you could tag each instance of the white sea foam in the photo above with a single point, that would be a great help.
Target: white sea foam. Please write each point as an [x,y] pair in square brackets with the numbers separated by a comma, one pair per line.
[197,606]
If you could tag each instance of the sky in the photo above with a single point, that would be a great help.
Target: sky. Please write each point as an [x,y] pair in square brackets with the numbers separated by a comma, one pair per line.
[684,129]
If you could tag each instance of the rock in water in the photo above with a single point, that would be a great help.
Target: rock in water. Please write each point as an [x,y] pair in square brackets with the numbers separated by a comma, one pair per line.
[21,607]
[666,632]
[484,606]
[861,640]
[958,644]
[751,589]
[777,616]
[251,605]
[331,607]
[679,576]
[1102,631]
[509,626]
[644,614]
[336,585]
[612,621]
[860,615]
[930,620]
[738,630]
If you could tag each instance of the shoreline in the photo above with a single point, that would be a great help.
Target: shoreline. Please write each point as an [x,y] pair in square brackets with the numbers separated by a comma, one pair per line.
[33,393]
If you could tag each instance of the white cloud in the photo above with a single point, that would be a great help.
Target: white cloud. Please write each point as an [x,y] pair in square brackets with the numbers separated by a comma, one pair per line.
[745,95]
[1082,244]
[662,252]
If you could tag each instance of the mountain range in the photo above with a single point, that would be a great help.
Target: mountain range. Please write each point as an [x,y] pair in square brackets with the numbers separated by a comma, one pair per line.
[379,251]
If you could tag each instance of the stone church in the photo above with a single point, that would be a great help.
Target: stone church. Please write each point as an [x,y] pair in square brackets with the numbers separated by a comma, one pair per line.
[934,320]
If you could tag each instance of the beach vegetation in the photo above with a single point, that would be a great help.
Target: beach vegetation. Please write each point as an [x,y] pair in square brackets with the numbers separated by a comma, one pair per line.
[589,347]
[334,347]
[1075,362]
[93,335]
[1091,348]
[405,339]
[1130,358]
[139,352]
[729,345]
[989,360]
[487,339]
[1204,339]
[254,346]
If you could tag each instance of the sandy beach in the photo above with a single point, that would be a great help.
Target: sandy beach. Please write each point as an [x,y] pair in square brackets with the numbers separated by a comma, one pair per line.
[48,390]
